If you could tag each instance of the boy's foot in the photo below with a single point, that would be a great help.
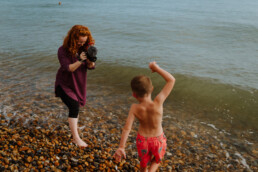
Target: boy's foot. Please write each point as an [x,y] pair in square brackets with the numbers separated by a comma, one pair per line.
[80,143]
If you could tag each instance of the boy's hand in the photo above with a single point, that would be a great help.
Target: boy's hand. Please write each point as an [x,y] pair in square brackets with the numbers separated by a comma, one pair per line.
[153,66]
[119,153]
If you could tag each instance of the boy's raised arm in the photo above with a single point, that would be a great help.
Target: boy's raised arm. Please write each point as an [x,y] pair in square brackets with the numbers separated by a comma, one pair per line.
[125,133]
[161,97]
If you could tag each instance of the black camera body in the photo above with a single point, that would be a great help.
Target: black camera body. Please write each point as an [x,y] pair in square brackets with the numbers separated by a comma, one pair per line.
[91,53]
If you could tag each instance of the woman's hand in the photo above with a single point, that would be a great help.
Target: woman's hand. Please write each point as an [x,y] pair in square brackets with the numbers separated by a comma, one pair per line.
[120,152]
[90,64]
[83,56]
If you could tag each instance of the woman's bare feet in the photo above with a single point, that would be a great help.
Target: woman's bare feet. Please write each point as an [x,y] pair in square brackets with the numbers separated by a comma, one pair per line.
[76,138]
[79,142]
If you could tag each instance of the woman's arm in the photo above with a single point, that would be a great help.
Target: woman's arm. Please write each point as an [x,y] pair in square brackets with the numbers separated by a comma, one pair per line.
[74,66]
[66,63]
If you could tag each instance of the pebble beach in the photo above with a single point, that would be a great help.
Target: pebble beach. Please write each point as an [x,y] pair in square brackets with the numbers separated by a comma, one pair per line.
[35,137]
[210,120]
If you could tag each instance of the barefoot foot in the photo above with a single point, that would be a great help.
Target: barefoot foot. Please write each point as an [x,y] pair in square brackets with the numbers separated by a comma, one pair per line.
[79,142]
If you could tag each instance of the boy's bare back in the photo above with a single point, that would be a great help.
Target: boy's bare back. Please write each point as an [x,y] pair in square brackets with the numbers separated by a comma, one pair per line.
[149,115]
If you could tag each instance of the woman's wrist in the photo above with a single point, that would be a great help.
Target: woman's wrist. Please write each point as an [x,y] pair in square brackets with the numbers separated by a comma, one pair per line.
[81,60]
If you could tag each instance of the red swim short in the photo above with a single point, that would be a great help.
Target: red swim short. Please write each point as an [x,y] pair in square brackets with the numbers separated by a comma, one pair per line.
[151,148]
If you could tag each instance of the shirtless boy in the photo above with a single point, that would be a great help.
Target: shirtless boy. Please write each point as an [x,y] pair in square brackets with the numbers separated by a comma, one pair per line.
[151,141]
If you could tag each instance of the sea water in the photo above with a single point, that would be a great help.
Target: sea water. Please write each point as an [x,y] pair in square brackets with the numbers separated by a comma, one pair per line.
[210,47]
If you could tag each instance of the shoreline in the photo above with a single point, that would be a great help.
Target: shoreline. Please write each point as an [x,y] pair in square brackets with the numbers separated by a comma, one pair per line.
[40,139]
[232,110]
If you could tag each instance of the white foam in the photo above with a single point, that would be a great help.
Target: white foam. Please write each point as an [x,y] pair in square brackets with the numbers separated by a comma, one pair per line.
[226,132]
[249,143]
[212,126]
[7,109]
[243,161]
[215,128]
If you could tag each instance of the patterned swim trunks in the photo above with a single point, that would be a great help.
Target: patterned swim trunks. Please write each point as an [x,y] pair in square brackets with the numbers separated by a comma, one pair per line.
[150,148]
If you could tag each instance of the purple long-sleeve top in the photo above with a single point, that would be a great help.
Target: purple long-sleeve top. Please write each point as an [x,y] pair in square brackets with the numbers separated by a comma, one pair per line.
[73,83]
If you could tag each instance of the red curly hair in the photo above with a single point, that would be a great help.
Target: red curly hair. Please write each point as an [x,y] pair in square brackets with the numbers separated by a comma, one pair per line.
[70,41]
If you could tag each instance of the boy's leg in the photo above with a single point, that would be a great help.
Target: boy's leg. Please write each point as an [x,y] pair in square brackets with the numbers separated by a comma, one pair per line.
[143,153]
[158,150]
[74,129]
[154,166]
[144,169]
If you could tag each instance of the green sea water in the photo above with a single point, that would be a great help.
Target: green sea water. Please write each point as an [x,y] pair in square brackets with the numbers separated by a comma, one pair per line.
[209,46]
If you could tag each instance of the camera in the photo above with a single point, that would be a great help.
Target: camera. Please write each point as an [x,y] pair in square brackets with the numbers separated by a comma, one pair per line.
[90,53]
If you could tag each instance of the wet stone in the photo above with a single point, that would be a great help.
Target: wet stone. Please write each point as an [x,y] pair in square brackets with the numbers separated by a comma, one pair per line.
[41,140]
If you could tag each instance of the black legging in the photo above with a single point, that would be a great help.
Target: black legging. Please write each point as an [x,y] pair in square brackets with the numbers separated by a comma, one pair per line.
[72,105]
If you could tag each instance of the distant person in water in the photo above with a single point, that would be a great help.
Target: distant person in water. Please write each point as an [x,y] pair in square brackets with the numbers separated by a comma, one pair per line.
[71,77]
[151,141]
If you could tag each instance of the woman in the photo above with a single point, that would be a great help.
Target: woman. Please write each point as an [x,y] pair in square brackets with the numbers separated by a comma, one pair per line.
[71,77]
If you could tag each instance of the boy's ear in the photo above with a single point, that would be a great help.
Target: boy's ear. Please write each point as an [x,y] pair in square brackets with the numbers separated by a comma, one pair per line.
[134,95]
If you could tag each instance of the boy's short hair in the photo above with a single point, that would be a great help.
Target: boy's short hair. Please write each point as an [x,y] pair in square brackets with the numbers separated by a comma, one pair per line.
[141,85]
